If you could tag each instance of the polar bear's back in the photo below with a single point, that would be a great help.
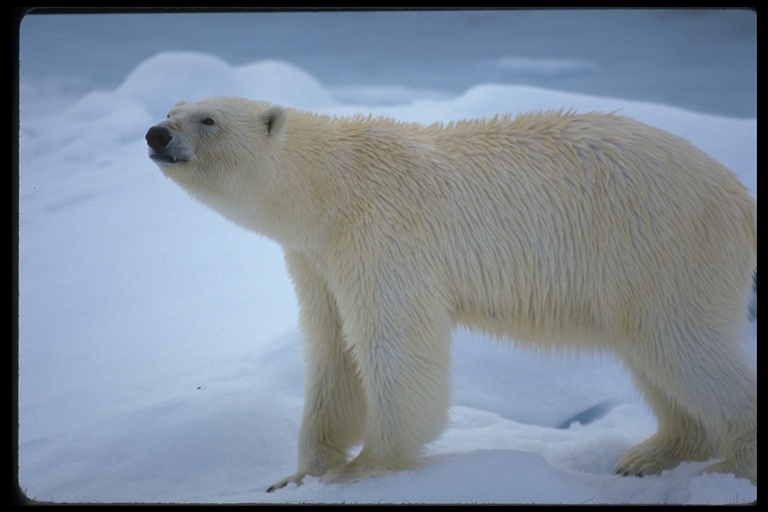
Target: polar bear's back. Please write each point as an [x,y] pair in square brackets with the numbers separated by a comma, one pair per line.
[548,224]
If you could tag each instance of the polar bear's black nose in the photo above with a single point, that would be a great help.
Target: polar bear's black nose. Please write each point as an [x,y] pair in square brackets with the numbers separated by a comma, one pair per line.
[158,137]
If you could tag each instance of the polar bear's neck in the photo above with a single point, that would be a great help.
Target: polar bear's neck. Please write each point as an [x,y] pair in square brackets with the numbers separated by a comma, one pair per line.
[295,198]
[324,172]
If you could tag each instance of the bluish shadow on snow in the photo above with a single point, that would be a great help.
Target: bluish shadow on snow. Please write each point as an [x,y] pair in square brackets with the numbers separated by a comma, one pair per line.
[591,414]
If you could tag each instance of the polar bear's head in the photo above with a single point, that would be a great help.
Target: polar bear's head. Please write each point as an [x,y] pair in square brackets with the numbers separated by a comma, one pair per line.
[219,150]
[212,133]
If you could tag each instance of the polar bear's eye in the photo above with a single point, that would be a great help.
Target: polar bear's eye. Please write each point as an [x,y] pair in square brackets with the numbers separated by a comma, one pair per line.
[208,121]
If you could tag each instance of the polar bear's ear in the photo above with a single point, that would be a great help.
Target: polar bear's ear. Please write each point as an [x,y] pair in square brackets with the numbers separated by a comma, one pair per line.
[274,118]
[182,102]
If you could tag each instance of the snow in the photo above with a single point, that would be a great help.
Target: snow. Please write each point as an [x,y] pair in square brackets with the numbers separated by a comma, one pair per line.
[159,355]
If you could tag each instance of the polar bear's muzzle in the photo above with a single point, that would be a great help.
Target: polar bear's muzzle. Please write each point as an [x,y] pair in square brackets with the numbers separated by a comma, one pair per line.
[164,147]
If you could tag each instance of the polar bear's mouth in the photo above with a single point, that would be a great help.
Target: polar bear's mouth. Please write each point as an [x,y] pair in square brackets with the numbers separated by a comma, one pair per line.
[166,158]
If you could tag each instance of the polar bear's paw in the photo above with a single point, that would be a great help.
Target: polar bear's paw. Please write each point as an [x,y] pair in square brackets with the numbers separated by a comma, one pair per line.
[349,473]
[650,457]
[362,467]
[293,479]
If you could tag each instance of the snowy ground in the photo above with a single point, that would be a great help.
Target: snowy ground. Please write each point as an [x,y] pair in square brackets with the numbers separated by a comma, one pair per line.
[159,358]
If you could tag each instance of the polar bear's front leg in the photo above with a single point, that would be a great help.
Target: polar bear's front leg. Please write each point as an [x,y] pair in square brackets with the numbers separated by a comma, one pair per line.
[334,407]
[400,343]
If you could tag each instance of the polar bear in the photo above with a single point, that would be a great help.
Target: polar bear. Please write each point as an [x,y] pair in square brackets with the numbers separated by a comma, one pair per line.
[554,229]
